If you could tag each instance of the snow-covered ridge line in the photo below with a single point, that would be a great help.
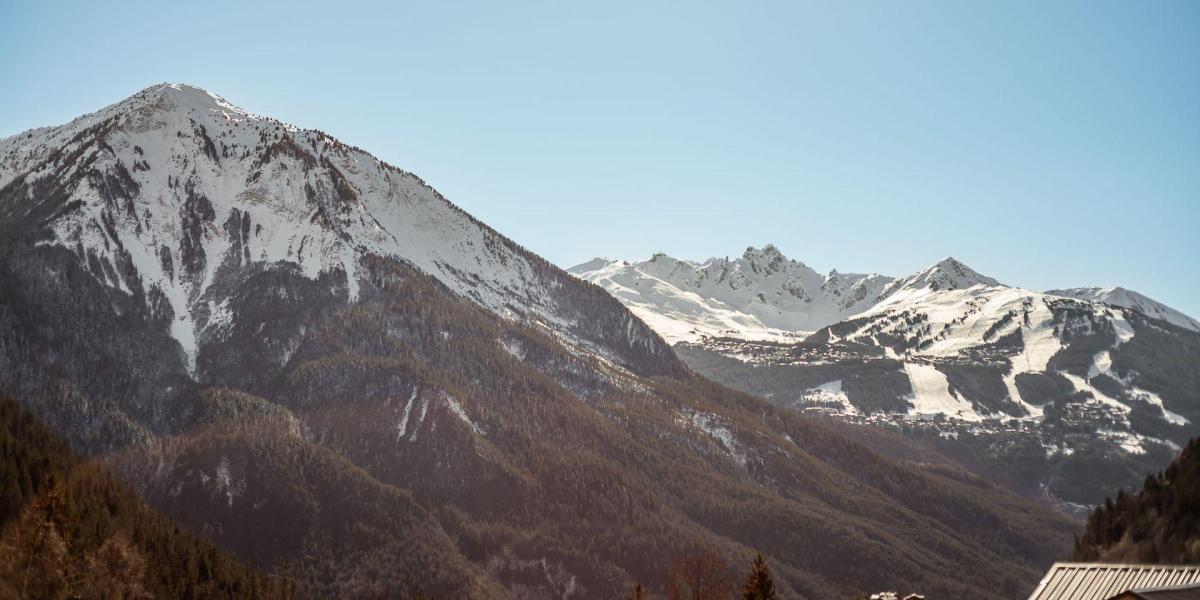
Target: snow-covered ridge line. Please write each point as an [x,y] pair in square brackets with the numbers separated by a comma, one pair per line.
[1119,296]
[765,296]
[761,295]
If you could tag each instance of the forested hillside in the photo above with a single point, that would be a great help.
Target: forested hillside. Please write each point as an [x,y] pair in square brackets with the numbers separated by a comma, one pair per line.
[70,529]
[1159,524]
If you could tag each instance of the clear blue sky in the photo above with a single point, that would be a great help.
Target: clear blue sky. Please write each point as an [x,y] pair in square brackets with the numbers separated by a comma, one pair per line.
[1047,144]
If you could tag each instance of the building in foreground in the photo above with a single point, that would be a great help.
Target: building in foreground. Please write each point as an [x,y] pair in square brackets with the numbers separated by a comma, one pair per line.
[1103,581]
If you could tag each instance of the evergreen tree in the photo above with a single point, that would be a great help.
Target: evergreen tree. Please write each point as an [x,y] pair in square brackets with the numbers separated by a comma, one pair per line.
[638,593]
[759,585]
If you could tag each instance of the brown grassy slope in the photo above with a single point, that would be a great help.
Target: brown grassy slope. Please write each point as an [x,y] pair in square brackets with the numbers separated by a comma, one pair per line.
[571,472]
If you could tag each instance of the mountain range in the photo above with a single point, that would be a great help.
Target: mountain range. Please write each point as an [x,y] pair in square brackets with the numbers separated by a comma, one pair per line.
[764,295]
[1084,389]
[313,360]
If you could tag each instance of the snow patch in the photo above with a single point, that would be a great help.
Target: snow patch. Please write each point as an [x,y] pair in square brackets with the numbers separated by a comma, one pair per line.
[458,411]
[830,392]
[931,394]
[714,426]
[402,426]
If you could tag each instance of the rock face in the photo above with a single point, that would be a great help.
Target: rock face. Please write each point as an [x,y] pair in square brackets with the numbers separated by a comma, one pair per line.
[1063,383]
[317,362]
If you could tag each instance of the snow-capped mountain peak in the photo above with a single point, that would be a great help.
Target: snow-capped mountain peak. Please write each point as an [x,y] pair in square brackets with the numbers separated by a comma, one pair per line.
[171,192]
[147,109]
[947,274]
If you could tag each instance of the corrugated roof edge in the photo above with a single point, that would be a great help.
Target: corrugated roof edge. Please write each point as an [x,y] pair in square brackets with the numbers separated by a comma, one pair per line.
[1169,588]
[1059,566]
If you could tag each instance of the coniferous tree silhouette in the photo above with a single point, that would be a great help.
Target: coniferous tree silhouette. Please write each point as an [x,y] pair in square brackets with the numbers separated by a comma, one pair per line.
[759,585]
[638,593]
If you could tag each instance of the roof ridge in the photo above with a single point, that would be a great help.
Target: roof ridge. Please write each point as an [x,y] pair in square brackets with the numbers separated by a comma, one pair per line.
[1168,588]
[1123,565]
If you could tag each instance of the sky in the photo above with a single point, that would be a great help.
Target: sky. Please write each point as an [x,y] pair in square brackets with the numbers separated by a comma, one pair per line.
[1047,144]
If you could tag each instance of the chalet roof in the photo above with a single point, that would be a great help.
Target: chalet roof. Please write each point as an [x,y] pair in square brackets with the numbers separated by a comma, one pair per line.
[1100,581]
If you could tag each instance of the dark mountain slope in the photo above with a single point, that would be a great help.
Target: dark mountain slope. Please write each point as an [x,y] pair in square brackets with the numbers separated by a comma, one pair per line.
[252,484]
[70,529]
[523,451]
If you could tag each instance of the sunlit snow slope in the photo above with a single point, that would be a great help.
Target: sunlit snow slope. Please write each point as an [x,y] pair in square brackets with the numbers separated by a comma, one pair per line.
[761,295]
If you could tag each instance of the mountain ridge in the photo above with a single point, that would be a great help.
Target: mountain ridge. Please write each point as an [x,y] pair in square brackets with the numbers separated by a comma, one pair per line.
[856,294]
[1126,298]
[792,298]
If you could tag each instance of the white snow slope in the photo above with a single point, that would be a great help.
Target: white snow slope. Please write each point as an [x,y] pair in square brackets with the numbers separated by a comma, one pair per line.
[1119,296]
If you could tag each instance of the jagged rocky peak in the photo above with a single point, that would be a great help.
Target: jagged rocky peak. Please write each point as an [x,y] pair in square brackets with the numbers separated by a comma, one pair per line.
[762,292]
[769,260]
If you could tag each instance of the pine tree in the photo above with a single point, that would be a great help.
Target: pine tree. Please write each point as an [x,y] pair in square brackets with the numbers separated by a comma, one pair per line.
[759,585]
[639,593]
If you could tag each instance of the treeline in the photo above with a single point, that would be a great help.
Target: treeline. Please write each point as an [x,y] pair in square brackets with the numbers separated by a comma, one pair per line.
[1159,524]
[702,575]
[70,529]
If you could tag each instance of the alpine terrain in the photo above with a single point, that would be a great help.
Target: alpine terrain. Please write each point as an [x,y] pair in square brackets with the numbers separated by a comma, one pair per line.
[1066,395]
[314,361]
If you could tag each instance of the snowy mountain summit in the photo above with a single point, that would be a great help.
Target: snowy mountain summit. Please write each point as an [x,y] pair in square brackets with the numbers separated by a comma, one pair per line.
[947,274]
[176,195]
